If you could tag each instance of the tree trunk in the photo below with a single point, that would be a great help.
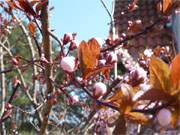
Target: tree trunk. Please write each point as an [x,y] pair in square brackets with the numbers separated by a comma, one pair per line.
[48,67]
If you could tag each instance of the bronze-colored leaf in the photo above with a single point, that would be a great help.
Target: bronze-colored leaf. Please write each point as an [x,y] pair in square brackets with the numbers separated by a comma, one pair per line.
[122,101]
[135,27]
[154,95]
[165,6]
[32,28]
[175,73]
[175,115]
[137,117]
[11,4]
[104,70]
[159,74]
[88,55]
[120,128]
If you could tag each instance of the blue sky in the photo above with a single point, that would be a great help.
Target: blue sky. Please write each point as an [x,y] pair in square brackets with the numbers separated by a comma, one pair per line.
[86,17]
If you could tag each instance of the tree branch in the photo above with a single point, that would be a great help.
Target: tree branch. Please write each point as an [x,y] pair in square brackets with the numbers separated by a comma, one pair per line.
[145,31]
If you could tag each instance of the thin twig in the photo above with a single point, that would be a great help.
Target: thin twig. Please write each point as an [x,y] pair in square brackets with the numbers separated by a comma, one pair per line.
[107,10]
[145,31]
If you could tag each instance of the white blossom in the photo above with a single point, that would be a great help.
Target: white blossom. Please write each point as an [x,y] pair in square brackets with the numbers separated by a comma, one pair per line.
[148,52]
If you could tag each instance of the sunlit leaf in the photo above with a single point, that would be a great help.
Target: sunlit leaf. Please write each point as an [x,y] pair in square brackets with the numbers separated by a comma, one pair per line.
[154,95]
[11,4]
[165,5]
[137,117]
[175,73]
[104,70]
[32,28]
[159,74]
[88,55]
[175,115]
[135,27]
[122,101]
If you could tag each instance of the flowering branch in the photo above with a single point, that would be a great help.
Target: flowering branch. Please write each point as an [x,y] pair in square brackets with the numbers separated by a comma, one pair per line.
[145,31]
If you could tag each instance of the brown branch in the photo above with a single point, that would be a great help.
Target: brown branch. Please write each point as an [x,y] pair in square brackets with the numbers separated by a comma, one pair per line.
[4,116]
[48,66]
[96,100]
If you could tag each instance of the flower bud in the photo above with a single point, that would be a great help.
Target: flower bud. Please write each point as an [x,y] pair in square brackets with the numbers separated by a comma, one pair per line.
[73,45]
[79,79]
[68,37]
[123,35]
[43,60]
[109,41]
[75,99]
[164,117]
[99,89]
[102,62]
[15,61]
[112,57]
[8,106]
[68,64]
[137,76]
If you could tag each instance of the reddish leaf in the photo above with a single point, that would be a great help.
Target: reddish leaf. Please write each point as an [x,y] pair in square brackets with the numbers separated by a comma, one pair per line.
[137,117]
[88,55]
[122,101]
[175,115]
[32,28]
[104,70]
[159,74]
[165,6]
[135,27]
[11,4]
[154,95]
[175,72]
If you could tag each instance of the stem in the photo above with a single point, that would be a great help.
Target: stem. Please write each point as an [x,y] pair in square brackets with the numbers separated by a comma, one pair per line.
[32,52]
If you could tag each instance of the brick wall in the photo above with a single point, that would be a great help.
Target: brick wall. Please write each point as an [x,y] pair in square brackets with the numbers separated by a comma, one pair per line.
[147,13]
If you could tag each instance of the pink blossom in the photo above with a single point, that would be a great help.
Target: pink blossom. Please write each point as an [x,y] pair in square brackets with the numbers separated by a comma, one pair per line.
[99,89]
[68,64]
[164,117]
